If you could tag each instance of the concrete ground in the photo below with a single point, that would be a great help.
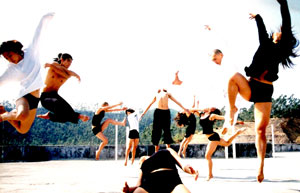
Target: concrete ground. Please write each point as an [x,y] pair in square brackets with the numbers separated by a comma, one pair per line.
[282,175]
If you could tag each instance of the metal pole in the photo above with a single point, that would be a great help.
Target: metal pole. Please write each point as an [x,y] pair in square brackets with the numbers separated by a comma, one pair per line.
[233,144]
[116,142]
[273,141]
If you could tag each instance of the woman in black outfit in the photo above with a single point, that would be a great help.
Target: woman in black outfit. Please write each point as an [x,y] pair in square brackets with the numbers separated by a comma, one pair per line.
[159,174]
[208,117]
[99,123]
[272,51]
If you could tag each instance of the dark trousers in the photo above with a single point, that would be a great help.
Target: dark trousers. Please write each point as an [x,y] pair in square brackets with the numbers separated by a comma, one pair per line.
[60,110]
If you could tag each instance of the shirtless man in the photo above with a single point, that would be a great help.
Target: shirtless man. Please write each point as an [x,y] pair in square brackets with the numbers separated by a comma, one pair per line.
[59,109]
[162,118]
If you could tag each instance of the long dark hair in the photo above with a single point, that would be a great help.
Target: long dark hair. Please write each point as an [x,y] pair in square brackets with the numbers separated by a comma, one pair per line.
[12,46]
[64,56]
[288,45]
[181,119]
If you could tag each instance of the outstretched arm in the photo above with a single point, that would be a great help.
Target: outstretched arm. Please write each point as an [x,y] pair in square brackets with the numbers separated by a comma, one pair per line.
[111,108]
[178,103]
[153,101]
[216,117]
[185,167]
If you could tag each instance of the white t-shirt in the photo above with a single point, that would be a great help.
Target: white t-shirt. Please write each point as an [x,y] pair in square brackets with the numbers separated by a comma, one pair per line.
[133,121]
[27,71]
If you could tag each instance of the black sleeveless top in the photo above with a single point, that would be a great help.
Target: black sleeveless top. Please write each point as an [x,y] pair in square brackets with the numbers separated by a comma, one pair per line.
[96,121]
[191,122]
[161,159]
[207,125]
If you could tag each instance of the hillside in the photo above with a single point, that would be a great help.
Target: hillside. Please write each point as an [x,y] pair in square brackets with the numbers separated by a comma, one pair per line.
[286,130]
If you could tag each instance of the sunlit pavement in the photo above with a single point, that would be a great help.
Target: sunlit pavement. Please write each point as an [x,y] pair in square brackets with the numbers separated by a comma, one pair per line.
[282,175]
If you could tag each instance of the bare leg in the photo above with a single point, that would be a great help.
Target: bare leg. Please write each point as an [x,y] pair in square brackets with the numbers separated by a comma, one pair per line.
[128,151]
[229,141]
[210,149]
[237,84]
[110,121]
[185,145]
[262,116]
[181,146]
[135,144]
[21,117]
[104,140]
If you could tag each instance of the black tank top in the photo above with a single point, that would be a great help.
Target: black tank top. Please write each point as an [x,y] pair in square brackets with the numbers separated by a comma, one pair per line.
[191,122]
[98,118]
[161,159]
[207,125]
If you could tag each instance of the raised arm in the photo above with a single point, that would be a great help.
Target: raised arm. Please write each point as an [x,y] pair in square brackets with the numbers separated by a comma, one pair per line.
[38,33]
[153,101]
[286,18]
[262,32]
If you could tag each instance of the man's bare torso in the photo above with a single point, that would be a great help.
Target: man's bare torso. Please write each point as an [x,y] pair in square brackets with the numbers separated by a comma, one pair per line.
[53,81]
[163,98]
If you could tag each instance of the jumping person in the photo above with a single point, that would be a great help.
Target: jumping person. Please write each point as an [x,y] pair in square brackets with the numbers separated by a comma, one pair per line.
[24,67]
[186,119]
[162,117]
[133,121]
[207,120]
[272,51]
[98,126]
[159,174]
[59,109]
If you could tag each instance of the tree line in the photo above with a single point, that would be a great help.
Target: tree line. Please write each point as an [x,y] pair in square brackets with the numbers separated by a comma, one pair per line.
[45,132]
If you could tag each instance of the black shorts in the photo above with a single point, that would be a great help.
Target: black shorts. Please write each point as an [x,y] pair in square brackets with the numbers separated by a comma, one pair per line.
[162,181]
[214,137]
[97,129]
[133,134]
[260,92]
[32,101]
[161,121]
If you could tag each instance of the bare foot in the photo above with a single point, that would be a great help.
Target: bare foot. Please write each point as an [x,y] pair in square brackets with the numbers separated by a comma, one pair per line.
[44,116]
[97,155]
[209,177]
[231,115]
[125,164]
[260,177]
[84,118]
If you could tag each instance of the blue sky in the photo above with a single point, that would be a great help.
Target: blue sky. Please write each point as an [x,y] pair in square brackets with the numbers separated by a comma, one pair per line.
[126,50]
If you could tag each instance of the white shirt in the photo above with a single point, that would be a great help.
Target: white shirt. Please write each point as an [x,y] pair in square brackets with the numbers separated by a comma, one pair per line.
[133,121]
[27,71]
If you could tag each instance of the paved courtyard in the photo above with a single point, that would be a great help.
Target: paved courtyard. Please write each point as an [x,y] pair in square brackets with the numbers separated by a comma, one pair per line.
[282,175]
